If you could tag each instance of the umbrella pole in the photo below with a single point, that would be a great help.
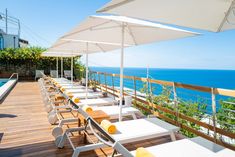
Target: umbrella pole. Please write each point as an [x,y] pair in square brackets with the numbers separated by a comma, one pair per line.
[72,70]
[61,69]
[121,75]
[57,69]
[86,69]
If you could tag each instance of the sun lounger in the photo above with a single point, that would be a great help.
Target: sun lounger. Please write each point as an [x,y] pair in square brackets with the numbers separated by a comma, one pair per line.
[39,74]
[61,79]
[141,129]
[92,102]
[88,95]
[102,104]
[79,90]
[74,86]
[195,147]
[113,111]
[97,102]
[110,110]
[127,132]
[67,73]
[53,73]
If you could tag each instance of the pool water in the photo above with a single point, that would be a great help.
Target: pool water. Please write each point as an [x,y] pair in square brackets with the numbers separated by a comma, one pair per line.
[2,82]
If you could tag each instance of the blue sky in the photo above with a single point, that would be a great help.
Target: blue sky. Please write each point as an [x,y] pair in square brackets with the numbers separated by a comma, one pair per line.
[43,21]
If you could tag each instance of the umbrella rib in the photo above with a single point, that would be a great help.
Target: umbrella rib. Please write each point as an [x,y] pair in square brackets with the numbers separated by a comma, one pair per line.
[60,44]
[114,5]
[129,31]
[98,42]
[131,34]
[226,16]
[66,50]
[105,28]
[100,47]
[67,35]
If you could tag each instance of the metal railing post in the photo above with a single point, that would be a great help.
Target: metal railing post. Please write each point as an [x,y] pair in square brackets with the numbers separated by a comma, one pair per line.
[105,81]
[150,88]
[113,85]
[99,81]
[213,105]
[176,106]
[134,83]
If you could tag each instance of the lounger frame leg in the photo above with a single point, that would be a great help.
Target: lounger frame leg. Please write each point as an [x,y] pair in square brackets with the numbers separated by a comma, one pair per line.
[134,116]
[173,138]
[63,121]
[66,135]
[80,149]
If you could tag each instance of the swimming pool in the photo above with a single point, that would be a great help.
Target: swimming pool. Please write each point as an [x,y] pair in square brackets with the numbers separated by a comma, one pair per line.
[2,82]
[5,86]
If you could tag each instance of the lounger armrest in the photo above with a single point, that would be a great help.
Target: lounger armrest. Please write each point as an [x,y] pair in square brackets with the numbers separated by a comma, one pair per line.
[151,116]
[207,144]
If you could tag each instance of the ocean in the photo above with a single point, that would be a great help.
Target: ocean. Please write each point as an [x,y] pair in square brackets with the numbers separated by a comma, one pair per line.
[210,78]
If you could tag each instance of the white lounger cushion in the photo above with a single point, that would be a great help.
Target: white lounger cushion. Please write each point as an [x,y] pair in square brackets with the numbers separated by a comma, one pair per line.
[97,102]
[68,83]
[180,148]
[70,86]
[81,90]
[141,129]
[89,95]
[225,153]
[61,80]
[188,148]
[113,111]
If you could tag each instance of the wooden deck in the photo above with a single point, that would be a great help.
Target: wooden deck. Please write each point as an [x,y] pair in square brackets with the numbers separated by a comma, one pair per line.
[25,131]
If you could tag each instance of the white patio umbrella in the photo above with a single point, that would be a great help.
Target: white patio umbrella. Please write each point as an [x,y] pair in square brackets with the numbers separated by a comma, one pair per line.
[82,47]
[211,15]
[123,30]
[61,54]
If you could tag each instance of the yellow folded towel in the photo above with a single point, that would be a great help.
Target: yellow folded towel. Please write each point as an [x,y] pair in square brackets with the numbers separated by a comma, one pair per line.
[59,86]
[108,126]
[76,100]
[69,94]
[87,108]
[62,89]
[59,97]
[50,88]
[142,152]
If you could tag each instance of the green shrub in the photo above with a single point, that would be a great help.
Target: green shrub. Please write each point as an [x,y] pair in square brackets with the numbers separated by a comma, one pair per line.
[26,60]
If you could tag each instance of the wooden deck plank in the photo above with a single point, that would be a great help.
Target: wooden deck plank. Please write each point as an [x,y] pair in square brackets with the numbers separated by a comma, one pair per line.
[25,131]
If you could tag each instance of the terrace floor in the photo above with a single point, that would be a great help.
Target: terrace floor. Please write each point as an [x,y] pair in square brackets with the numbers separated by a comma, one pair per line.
[25,131]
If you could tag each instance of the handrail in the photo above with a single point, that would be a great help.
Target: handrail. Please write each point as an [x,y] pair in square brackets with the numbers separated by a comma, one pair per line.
[217,91]
[17,76]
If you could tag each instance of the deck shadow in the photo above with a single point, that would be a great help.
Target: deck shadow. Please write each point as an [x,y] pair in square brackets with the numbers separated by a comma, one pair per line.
[7,116]
[1,135]
[43,149]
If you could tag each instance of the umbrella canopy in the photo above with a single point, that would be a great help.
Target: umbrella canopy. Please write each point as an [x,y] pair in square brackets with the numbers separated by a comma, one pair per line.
[75,46]
[123,31]
[59,54]
[212,15]
[108,29]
